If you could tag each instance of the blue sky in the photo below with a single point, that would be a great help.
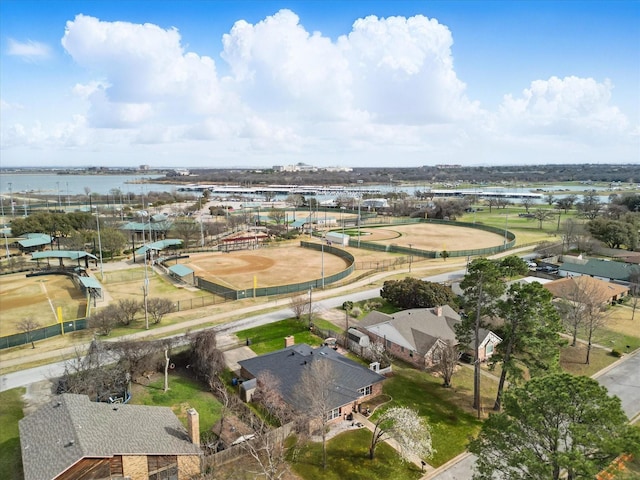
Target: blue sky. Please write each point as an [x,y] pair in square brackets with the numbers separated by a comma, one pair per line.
[354,83]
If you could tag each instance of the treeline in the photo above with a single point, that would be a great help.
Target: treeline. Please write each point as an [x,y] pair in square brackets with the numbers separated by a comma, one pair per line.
[432,174]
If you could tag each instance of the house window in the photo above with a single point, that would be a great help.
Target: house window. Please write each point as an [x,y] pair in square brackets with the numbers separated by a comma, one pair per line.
[162,467]
[489,348]
[365,391]
[335,413]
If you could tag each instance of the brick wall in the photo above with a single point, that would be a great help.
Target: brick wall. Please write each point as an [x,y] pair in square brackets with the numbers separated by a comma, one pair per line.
[188,466]
[135,466]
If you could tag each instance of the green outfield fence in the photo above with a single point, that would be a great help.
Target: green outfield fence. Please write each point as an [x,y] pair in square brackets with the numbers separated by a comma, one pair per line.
[510,240]
[43,333]
[231,294]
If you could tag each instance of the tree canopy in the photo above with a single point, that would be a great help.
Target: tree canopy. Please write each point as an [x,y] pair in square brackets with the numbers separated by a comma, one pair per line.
[556,426]
[416,293]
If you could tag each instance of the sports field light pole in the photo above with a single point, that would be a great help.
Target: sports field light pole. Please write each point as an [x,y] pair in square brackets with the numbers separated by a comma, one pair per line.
[310,307]
[145,287]
[322,260]
[506,225]
[99,242]
[410,257]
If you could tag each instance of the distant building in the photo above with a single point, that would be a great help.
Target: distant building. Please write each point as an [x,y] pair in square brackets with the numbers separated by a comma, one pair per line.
[178,172]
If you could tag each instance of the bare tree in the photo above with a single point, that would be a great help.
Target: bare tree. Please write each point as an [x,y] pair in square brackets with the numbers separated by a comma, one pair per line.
[104,320]
[316,386]
[127,310]
[407,428]
[267,394]
[527,203]
[542,215]
[158,307]
[28,326]
[491,202]
[299,306]
[267,448]
[277,215]
[583,307]
[139,357]
[446,367]
[206,359]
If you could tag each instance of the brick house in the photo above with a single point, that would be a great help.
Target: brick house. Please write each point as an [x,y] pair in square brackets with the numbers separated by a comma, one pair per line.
[417,335]
[74,438]
[353,384]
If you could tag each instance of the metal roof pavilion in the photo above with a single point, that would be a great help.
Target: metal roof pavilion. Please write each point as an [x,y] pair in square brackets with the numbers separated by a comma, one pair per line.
[70,254]
[180,270]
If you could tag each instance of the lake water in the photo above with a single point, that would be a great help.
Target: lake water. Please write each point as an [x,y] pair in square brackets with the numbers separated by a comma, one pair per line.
[64,185]
[75,184]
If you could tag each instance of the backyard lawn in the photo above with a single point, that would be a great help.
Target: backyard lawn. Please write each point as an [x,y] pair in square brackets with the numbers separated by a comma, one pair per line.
[10,413]
[451,425]
[184,393]
[348,457]
[269,338]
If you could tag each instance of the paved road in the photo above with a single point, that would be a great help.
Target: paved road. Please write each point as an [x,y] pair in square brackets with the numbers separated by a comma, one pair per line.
[25,377]
[621,379]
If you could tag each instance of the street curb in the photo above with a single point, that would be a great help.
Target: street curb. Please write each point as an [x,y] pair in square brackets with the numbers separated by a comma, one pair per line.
[446,466]
[624,358]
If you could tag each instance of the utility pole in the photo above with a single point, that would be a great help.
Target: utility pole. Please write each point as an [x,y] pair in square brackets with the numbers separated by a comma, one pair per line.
[310,305]
[99,243]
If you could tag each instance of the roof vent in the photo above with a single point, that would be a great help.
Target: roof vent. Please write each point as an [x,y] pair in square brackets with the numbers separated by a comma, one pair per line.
[71,443]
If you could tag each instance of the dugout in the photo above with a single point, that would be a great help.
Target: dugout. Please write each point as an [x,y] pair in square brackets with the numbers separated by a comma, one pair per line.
[182,273]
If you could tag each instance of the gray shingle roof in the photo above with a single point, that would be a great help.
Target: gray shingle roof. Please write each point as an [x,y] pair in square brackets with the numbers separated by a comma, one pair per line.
[417,328]
[288,365]
[72,427]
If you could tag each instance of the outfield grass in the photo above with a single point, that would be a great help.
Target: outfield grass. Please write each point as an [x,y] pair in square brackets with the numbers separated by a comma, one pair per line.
[10,413]
[184,393]
[269,338]
[348,457]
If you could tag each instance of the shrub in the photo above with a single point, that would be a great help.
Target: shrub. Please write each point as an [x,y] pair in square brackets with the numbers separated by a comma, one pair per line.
[355,312]
[615,353]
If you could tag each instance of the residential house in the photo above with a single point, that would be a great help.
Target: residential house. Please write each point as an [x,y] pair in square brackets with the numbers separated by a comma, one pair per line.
[74,438]
[598,268]
[574,288]
[418,335]
[353,383]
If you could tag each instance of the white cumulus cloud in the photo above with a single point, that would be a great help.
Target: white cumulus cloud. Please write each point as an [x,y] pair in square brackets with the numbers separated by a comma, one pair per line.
[384,93]
[564,105]
[29,50]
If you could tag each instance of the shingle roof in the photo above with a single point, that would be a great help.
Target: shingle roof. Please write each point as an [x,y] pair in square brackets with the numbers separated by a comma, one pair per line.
[596,267]
[288,365]
[417,329]
[572,288]
[71,427]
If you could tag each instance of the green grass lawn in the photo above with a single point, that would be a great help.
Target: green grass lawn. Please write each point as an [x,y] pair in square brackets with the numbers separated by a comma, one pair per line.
[184,393]
[621,342]
[269,338]
[10,413]
[572,360]
[451,426]
[348,457]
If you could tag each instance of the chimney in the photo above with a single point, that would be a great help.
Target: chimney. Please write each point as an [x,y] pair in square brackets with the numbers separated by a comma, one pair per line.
[193,426]
[289,341]
[439,311]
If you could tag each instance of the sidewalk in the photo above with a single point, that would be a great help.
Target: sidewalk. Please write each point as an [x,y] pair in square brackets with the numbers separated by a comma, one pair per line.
[30,356]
